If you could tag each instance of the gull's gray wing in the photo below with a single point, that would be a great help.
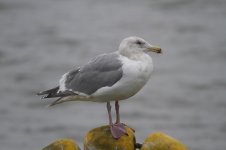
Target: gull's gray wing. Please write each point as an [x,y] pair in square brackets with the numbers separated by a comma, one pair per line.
[104,70]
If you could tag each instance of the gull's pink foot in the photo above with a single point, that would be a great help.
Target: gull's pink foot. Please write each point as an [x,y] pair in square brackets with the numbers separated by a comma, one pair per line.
[118,130]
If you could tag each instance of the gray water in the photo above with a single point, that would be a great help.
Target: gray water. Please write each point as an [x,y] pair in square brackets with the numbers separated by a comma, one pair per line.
[42,39]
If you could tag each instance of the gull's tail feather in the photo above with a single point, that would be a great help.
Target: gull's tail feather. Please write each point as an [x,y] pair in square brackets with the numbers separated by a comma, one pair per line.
[68,98]
[56,102]
[63,99]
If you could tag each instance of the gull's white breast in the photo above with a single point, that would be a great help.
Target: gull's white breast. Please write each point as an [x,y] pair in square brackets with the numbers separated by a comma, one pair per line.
[136,73]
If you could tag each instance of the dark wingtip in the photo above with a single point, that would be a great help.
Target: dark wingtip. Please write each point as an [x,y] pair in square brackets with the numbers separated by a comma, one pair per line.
[43,97]
[38,94]
[42,93]
[50,91]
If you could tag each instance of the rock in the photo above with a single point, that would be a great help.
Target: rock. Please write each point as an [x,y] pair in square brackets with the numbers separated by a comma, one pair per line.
[161,141]
[63,144]
[101,139]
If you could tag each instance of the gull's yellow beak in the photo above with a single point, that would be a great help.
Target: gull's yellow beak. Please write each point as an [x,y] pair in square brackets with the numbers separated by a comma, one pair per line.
[154,48]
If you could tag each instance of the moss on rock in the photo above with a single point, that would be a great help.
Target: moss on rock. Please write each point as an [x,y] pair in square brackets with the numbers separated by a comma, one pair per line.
[63,144]
[101,139]
[161,141]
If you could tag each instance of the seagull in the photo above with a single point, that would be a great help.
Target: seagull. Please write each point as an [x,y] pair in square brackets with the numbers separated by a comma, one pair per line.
[108,77]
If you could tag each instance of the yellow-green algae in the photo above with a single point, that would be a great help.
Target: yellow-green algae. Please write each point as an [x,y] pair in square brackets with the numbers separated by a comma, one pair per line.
[63,144]
[161,141]
[101,139]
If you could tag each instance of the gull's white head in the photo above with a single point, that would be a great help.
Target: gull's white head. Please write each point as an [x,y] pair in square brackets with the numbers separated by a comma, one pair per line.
[135,45]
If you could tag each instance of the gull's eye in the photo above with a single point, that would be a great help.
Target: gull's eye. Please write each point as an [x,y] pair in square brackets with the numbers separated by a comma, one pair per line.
[139,42]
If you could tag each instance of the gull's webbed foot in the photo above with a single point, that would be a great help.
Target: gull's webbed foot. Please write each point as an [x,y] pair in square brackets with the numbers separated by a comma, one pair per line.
[118,130]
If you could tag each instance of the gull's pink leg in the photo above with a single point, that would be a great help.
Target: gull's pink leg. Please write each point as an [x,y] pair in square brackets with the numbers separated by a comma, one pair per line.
[118,123]
[109,113]
[117,112]
[117,129]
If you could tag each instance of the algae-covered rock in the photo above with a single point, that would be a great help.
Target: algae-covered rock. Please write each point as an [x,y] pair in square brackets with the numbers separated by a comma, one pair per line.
[63,144]
[161,141]
[101,139]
